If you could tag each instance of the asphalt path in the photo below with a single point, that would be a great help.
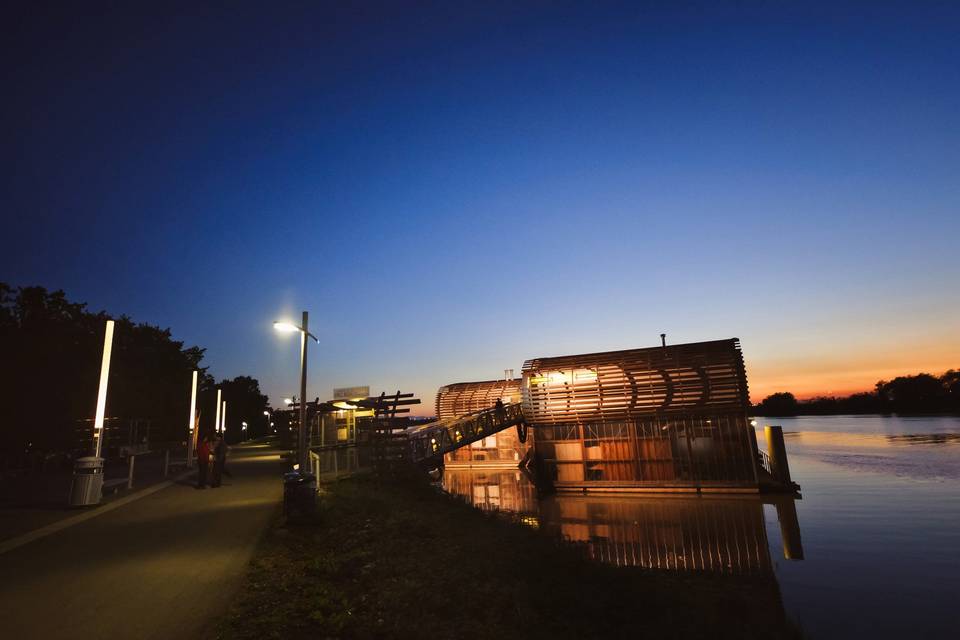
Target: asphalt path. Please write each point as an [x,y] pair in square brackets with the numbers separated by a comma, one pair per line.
[164,566]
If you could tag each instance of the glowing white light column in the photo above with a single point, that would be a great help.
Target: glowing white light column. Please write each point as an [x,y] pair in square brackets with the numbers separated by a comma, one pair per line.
[191,434]
[223,417]
[216,421]
[102,393]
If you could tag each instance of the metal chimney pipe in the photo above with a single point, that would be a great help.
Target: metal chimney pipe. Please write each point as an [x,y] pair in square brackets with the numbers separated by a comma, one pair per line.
[663,339]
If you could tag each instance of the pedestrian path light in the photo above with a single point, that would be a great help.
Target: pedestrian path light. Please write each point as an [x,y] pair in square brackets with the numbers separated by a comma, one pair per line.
[191,432]
[102,392]
[216,420]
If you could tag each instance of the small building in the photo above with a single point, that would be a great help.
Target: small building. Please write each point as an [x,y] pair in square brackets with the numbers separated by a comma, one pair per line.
[502,449]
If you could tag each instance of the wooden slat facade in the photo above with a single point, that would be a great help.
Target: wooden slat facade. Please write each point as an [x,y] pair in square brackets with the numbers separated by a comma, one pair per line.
[701,377]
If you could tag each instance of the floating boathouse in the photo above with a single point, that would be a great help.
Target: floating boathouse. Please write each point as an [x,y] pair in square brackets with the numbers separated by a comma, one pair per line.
[669,418]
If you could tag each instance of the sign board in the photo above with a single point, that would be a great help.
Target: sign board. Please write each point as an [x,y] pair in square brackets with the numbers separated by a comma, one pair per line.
[345,393]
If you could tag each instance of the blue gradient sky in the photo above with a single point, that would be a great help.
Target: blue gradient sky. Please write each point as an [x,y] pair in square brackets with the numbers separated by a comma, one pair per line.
[453,189]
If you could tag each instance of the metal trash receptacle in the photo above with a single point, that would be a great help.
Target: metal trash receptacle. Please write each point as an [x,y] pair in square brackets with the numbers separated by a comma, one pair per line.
[299,495]
[86,488]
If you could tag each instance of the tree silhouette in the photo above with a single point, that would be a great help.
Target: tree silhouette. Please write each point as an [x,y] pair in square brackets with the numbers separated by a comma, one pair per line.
[778,404]
[917,394]
[52,349]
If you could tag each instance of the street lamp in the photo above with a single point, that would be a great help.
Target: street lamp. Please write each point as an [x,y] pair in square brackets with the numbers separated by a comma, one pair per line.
[287,327]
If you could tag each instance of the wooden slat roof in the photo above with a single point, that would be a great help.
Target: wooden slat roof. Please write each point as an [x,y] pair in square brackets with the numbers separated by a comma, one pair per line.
[687,378]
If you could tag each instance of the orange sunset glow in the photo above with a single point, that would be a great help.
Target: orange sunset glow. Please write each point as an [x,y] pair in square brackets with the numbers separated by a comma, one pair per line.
[843,372]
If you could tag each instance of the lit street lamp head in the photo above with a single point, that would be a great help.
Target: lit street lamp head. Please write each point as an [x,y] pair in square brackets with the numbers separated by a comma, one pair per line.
[286,327]
[289,327]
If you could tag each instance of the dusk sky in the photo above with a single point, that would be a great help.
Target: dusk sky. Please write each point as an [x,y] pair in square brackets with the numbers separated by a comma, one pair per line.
[453,188]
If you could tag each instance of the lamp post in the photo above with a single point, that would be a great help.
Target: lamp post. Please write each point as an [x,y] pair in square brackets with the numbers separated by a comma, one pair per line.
[216,421]
[302,432]
[102,392]
[191,434]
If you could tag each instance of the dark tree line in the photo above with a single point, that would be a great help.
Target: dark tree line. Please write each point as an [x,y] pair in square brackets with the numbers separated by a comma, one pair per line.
[918,394]
[51,350]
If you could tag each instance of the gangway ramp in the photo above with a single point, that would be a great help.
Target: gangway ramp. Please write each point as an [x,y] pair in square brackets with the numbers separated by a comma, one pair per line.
[433,440]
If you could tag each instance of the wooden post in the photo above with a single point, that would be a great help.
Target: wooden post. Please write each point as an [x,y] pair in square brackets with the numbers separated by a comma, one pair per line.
[132,459]
[779,468]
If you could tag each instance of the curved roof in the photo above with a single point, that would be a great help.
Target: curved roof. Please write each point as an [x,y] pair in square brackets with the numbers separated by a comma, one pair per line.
[698,377]
[460,398]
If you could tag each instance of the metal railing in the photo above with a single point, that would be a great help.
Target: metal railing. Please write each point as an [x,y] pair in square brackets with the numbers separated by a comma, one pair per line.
[437,438]
[338,460]
[764,460]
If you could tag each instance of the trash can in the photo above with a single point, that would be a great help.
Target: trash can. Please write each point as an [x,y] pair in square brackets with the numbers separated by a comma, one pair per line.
[87,486]
[299,495]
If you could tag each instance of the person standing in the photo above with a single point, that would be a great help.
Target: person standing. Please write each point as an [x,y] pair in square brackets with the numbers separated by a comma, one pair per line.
[501,414]
[203,462]
[219,461]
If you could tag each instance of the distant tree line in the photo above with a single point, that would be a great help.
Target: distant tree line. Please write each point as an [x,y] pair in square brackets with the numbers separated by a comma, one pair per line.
[50,373]
[919,394]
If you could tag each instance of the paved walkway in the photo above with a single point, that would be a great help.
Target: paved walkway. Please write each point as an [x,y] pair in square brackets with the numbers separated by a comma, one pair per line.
[164,566]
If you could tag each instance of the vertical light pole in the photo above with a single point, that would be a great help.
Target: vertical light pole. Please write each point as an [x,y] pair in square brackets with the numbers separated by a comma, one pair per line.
[216,420]
[102,393]
[223,418]
[191,435]
[302,433]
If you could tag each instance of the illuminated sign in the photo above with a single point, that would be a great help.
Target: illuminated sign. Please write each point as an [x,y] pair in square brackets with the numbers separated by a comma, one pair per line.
[348,393]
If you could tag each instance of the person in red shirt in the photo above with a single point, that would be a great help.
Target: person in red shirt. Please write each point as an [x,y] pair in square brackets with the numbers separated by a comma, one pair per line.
[203,462]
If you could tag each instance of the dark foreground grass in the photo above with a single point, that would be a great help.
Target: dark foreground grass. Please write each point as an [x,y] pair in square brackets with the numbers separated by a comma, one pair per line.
[402,561]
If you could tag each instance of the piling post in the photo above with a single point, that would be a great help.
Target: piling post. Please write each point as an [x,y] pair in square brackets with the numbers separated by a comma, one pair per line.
[779,468]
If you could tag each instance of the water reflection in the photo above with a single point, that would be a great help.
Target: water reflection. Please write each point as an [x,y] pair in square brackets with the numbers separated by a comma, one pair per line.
[677,534]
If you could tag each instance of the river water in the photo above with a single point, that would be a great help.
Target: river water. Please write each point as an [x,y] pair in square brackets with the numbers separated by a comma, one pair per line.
[872,548]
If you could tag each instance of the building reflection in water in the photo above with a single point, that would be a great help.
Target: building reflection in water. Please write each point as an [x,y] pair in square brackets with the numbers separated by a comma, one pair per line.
[677,534]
